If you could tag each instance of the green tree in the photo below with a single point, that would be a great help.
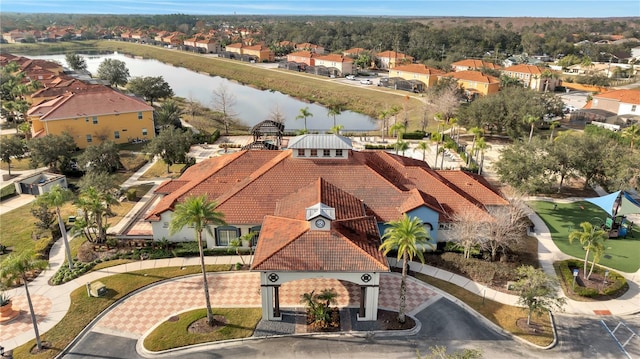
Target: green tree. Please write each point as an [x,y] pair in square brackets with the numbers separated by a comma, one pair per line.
[96,208]
[303,114]
[538,291]
[592,240]
[531,121]
[336,129]
[103,157]
[172,145]
[335,109]
[401,146]
[199,213]
[104,182]
[114,71]
[12,147]
[168,115]
[43,215]
[75,62]
[524,166]
[437,138]
[424,147]
[409,238]
[150,88]
[14,270]
[57,197]
[632,133]
[53,151]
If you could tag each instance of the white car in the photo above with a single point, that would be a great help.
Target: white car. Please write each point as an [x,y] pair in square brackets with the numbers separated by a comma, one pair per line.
[366,82]
[350,77]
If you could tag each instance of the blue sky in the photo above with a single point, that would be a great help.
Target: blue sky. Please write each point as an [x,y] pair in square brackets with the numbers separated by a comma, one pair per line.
[478,8]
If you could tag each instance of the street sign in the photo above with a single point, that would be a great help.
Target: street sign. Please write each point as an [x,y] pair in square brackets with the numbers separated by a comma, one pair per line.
[575,272]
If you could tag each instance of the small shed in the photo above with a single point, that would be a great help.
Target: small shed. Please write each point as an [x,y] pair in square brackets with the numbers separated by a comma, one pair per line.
[39,183]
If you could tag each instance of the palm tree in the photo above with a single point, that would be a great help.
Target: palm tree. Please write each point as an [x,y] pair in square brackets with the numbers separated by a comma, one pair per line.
[304,113]
[592,239]
[477,133]
[407,236]
[531,121]
[437,138]
[57,197]
[335,110]
[424,147]
[401,146]
[632,132]
[336,129]
[382,116]
[553,126]
[481,145]
[198,212]
[14,270]
[397,129]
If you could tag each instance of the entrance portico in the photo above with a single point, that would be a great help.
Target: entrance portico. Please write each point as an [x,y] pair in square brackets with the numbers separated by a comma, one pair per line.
[270,282]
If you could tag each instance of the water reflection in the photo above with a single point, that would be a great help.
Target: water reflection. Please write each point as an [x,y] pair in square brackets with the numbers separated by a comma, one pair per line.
[252,105]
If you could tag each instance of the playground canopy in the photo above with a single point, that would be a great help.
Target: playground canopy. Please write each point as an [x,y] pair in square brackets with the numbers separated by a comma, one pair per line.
[616,204]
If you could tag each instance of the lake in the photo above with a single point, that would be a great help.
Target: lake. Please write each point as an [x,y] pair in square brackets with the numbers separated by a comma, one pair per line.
[252,105]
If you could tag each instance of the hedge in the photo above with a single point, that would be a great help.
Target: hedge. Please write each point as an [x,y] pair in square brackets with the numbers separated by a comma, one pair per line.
[615,281]
[7,191]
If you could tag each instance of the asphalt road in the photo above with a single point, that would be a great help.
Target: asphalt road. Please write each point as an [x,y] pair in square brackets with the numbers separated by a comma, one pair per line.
[443,323]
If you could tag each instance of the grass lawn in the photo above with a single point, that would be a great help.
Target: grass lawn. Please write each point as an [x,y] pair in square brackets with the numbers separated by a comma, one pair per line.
[621,253]
[503,315]
[159,169]
[84,309]
[22,164]
[241,323]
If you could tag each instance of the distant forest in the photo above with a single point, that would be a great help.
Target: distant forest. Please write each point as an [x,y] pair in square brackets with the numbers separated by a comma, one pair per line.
[432,41]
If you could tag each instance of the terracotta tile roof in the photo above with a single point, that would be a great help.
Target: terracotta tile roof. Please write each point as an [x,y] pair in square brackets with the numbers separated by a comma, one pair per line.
[249,185]
[170,186]
[476,186]
[305,54]
[91,103]
[334,58]
[475,64]
[476,76]
[624,96]
[289,245]
[419,68]
[393,55]
[61,87]
[522,68]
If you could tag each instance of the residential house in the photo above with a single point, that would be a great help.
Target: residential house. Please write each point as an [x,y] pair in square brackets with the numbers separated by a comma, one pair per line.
[613,110]
[533,77]
[354,52]
[424,74]
[343,65]
[391,59]
[310,47]
[59,87]
[473,64]
[259,52]
[209,45]
[475,82]
[92,116]
[302,57]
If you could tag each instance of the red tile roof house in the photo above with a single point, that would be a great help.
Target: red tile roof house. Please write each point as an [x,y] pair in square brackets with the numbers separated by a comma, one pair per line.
[532,77]
[320,206]
[472,64]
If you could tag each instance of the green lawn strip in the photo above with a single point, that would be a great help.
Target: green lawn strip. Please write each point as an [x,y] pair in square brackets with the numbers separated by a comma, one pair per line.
[503,315]
[240,323]
[84,309]
[159,169]
[620,254]
[22,164]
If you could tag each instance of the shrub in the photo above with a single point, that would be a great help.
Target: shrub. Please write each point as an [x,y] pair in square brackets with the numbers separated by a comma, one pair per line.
[417,135]
[379,147]
[7,191]
[616,283]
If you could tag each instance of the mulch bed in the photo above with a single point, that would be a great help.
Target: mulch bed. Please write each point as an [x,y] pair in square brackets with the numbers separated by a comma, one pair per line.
[596,281]
[389,321]
[201,326]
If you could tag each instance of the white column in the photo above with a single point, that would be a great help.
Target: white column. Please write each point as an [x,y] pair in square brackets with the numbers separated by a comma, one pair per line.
[371,304]
[266,294]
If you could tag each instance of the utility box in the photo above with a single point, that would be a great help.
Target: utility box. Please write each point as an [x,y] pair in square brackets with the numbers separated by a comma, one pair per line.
[97,289]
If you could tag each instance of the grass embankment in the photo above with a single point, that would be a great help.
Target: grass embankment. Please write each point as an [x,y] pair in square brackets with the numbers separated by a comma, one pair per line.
[84,309]
[240,323]
[503,315]
[312,88]
[620,253]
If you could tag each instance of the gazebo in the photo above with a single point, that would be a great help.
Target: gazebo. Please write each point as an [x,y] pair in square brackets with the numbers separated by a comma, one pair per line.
[332,238]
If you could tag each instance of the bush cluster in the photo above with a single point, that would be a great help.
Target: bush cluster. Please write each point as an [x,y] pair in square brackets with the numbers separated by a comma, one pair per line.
[416,135]
[615,281]
[7,191]
[476,269]
[379,147]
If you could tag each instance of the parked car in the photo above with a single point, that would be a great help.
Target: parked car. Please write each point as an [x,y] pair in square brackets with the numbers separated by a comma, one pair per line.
[366,82]
[350,77]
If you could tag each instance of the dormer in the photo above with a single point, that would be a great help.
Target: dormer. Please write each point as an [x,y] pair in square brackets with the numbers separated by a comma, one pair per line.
[320,216]
[320,146]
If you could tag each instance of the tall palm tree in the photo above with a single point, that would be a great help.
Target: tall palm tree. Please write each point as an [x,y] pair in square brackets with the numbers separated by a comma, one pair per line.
[477,133]
[553,126]
[198,212]
[632,132]
[482,146]
[57,197]
[424,147]
[397,129]
[437,138]
[531,121]
[401,146]
[335,110]
[408,237]
[304,113]
[592,239]
[14,270]
[336,129]
[383,116]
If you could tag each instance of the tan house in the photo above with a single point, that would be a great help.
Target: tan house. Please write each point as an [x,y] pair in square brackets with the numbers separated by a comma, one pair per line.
[302,57]
[533,77]
[210,46]
[310,47]
[473,64]
[343,64]
[620,102]
[93,116]
[391,59]
[417,72]
[475,82]
[354,51]
[259,52]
